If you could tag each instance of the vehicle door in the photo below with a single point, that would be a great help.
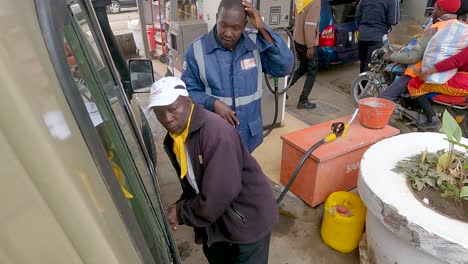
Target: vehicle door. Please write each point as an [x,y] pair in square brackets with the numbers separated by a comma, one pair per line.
[96,97]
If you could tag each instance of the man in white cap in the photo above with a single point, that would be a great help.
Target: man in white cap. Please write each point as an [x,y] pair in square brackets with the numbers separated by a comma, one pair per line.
[226,196]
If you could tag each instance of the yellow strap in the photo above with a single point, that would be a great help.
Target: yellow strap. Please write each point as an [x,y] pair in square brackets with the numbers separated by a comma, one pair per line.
[179,146]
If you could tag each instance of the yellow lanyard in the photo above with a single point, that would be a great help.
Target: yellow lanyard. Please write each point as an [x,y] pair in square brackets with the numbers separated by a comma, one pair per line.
[179,146]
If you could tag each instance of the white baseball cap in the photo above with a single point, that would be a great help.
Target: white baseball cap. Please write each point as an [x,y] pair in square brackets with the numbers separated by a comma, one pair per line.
[165,91]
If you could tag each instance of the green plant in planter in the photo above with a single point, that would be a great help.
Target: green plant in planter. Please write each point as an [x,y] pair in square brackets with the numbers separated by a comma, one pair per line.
[444,170]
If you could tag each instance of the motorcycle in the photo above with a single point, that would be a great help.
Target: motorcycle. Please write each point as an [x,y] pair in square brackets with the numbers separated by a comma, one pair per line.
[382,73]
[407,115]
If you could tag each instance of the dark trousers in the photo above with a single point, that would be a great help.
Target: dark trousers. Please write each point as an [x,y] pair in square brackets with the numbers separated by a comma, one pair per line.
[365,52]
[227,253]
[309,66]
[396,89]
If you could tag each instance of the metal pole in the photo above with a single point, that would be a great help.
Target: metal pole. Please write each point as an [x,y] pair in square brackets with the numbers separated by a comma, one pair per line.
[143,27]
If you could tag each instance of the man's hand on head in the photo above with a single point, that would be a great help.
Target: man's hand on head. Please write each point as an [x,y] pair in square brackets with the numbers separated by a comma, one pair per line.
[253,14]
[225,112]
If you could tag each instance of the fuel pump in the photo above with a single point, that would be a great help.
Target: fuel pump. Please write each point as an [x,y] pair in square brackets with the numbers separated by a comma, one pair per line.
[277,15]
[183,28]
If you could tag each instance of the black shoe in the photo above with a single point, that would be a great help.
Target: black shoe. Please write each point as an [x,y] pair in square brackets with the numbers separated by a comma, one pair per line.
[306,105]
[435,124]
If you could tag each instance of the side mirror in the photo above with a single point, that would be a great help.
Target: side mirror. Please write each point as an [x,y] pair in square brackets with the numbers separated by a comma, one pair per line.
[141,75]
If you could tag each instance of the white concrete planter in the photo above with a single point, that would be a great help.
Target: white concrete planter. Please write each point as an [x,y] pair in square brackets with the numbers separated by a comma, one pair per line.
[399,228]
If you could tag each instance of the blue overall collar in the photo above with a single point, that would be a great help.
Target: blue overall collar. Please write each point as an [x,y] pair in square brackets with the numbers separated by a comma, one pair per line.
[213,43]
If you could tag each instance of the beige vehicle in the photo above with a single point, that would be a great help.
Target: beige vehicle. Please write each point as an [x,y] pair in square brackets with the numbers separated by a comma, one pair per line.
[78,182]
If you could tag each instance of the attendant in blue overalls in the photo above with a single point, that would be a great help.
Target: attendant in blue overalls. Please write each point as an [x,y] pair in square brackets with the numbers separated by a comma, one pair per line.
[223,69]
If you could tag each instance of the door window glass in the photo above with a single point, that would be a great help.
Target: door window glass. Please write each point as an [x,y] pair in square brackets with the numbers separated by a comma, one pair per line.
[109,112]
[343,12]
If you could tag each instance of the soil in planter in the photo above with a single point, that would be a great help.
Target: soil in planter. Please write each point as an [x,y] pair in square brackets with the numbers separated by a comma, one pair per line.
[445,206]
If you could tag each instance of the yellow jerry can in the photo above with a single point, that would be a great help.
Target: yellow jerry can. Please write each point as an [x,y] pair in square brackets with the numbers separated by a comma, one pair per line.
[343,221]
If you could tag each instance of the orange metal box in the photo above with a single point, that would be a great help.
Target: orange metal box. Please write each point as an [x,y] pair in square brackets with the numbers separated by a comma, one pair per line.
[331,167]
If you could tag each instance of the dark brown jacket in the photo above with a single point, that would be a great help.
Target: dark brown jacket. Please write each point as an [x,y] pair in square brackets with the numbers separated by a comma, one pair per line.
[235,203]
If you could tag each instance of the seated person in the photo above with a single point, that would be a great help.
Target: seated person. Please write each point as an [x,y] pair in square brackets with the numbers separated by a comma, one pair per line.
[444,13]
[407,57]
[456,86]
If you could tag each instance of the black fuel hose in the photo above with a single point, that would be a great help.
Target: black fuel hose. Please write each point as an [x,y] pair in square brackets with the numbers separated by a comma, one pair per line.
[276,86]
[298,168]
[276,111]
[294,52]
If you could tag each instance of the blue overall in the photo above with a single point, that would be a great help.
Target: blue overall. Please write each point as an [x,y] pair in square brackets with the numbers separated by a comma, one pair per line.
[212,72]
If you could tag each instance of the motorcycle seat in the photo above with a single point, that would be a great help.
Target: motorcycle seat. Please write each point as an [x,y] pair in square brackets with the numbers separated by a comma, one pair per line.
[453,101]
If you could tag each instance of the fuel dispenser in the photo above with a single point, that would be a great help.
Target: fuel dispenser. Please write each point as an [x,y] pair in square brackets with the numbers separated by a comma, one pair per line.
[276,14]
[184,24]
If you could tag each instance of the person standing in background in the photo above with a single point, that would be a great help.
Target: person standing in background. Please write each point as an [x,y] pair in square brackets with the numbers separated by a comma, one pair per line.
[374,19]
[306,39]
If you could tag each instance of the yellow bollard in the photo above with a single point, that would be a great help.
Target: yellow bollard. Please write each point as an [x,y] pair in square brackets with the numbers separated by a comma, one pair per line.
[343,221]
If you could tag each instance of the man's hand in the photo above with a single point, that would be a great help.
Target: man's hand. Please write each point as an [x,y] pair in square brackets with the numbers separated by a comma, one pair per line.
[310,53]
[254,15]
[226,112]
[424,75]
[172,216]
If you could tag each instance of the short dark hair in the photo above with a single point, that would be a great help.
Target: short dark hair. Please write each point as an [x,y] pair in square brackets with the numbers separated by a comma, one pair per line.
[234,5]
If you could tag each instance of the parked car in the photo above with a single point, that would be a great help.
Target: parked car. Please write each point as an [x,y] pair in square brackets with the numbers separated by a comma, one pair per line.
[338,32]
[116,5]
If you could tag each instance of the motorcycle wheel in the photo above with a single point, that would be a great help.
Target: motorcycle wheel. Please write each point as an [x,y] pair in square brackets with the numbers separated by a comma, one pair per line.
[359,84]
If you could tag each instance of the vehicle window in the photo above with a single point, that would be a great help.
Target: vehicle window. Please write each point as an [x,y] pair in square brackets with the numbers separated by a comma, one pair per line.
[343,12]
[109,113]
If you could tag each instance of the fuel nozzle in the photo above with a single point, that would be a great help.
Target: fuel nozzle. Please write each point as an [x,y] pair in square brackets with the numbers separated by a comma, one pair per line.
[340,129]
